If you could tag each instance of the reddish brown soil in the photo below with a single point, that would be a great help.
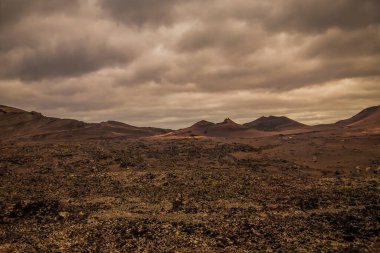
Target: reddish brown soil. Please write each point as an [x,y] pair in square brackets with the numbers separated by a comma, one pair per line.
[300,193]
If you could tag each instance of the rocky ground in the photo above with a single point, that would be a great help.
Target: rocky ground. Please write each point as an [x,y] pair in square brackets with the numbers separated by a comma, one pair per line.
[303,193]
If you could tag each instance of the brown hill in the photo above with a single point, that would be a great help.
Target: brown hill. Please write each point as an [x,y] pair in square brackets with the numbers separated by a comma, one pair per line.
[225,128]
[273,123]
[18,124]
[199,128]
[367,118]
[206,128]
[202,124]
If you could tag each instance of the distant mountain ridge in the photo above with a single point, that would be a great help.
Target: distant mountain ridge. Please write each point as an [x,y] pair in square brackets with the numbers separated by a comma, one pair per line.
[226,128]
[274,125]
[17,124]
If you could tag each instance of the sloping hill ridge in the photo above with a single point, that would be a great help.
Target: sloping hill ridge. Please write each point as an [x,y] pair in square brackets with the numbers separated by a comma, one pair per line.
[7,109]
[369,117]
[19,124]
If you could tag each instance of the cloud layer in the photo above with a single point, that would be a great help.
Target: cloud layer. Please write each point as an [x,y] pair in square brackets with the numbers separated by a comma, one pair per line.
[168,63]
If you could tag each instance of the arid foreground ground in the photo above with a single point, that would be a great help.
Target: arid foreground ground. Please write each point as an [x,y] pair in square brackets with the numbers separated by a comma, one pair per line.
[305,193]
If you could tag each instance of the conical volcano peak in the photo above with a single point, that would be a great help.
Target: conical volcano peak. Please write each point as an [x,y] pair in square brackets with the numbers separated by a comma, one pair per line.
[274,123]
[228,121]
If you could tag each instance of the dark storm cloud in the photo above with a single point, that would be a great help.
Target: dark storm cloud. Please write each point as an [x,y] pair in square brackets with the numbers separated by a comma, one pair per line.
[340,44]
[231,38]
[160,61]
[67,59]
[14,10]
[320,15]
[309,16]
[45,44]
[141,12]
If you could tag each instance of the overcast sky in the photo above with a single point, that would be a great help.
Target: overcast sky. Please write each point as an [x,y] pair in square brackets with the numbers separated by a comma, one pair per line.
[169,63]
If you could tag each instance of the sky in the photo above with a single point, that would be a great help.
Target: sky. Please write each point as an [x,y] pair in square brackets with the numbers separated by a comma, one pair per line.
[170,63]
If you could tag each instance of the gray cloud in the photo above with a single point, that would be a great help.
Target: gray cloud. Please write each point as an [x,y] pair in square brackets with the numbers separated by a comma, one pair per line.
[65,59]
[232,38]
[339,44]
[320,15]
[12,11]
[309,16]
[169,63]
[141,12]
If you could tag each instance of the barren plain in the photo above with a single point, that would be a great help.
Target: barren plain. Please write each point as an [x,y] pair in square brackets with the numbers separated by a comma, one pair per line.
[305,192]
